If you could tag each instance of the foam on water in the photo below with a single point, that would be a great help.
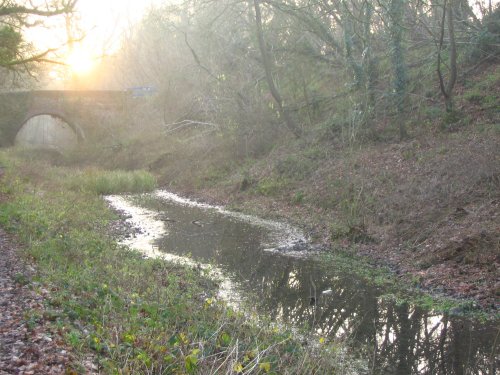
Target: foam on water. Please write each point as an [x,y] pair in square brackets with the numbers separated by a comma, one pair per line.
[284,235]
[151,229]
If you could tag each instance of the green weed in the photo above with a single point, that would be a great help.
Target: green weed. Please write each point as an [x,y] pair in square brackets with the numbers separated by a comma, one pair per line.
[21,279]
[338,230]
[272,186]
[112,182]
[139,315]
[298,197]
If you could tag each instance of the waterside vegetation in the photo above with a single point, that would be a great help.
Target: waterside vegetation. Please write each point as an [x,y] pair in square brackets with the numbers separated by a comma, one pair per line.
[135,315]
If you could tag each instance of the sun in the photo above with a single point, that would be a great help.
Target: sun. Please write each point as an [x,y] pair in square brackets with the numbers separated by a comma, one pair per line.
[80,62]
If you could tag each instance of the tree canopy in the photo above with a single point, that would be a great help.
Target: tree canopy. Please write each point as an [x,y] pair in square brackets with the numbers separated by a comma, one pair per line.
[339,65]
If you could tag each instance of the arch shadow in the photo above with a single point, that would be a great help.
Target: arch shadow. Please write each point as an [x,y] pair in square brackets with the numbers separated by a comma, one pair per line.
[80,135]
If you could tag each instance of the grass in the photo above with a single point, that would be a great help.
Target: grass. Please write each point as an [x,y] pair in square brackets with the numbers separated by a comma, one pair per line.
[271,187]
[135,315]
[112,182]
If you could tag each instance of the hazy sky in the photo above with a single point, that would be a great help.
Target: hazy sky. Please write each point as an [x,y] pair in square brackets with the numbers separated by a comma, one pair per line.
[104,24]
[106,20]
[102,21]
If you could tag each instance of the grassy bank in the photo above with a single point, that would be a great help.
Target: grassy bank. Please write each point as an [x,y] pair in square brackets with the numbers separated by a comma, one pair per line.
[133,315]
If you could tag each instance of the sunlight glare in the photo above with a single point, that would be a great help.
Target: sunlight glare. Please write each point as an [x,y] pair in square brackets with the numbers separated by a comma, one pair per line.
[80,63]
[53,74]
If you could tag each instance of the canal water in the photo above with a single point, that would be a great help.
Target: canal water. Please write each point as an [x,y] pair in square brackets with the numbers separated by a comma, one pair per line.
[297,287]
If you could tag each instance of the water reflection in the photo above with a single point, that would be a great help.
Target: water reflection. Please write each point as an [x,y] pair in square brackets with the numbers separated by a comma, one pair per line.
[397,338]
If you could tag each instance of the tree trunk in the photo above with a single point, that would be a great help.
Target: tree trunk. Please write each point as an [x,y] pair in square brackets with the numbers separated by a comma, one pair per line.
[447,90]
[266,62]
[453,57]
[369,62]
[398,62]
[357,70]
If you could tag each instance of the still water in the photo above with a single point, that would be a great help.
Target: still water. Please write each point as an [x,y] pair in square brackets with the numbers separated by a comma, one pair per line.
[397,338]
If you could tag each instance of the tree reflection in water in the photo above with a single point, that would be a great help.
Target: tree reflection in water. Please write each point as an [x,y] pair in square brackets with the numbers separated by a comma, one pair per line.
[398,338]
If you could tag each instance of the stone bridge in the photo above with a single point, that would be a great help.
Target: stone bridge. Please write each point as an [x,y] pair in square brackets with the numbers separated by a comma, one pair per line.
[83,110]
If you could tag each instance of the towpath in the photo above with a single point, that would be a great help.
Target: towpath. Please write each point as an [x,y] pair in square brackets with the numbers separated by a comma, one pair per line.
[29,343]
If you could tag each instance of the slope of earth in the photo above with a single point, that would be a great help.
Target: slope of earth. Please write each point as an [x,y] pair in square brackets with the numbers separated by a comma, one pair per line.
[429,208]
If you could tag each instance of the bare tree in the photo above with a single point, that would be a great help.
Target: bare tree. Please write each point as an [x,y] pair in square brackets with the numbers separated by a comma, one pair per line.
[268,68]
[447,89]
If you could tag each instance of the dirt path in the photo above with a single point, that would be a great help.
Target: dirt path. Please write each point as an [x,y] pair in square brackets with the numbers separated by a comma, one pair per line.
[28,344]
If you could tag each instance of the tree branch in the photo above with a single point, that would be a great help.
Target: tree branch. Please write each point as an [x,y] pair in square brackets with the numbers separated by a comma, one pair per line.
[266,62]
[16,10]
[35,58]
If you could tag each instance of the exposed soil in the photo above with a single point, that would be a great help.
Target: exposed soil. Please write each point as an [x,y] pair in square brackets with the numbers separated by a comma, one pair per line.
[440,224]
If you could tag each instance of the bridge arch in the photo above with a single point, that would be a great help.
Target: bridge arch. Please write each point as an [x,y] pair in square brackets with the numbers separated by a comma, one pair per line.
[48,130]
[61,116]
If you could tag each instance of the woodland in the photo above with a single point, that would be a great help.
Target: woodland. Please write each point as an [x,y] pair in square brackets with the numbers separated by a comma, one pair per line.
[373,126]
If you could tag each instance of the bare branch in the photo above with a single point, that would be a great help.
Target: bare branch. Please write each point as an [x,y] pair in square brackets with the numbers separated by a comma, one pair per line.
[16,10]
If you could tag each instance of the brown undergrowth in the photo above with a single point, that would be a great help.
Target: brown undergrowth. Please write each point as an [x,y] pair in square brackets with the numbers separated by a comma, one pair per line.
[426,206]
[429,208]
